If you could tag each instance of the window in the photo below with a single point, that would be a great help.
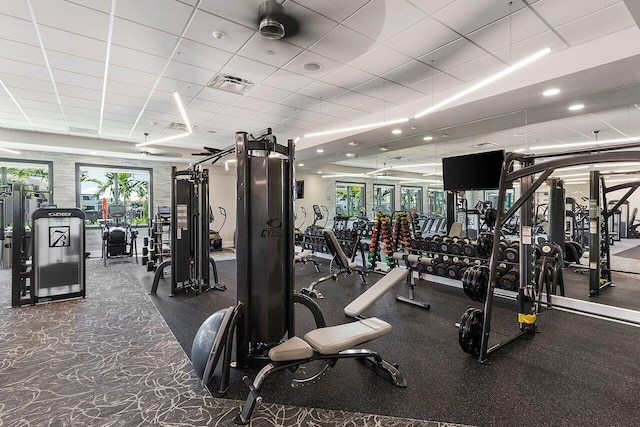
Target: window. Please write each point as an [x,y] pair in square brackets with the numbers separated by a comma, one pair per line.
[36,176]
[111,185]
[350,199]
[411,199]
[437,203]
[384,198]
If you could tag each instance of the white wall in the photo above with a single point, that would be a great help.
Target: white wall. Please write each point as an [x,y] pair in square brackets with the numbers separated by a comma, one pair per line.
[222,192]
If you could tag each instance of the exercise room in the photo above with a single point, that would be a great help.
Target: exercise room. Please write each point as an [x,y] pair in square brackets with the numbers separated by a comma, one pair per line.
[330,213]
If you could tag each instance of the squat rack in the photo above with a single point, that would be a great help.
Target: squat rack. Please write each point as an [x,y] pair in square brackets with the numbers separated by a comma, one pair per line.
[528,305]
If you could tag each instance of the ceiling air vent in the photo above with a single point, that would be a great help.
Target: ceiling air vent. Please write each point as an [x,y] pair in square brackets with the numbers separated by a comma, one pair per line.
[484,145]
[230,84]
[83,131]
[178,126]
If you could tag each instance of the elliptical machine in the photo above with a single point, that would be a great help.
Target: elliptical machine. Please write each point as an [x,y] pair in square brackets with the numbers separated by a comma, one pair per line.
[118,239]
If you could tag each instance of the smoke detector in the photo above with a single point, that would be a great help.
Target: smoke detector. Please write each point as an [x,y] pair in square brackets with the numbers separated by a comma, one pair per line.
[273,23]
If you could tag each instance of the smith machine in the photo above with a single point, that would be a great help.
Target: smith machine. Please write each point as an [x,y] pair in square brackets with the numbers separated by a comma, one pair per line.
[190,259]
[475,325]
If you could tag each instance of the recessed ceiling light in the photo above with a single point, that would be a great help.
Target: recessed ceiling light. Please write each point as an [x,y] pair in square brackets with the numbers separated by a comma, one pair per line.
[93,153]
[218,35]
[301,164]
[428,138]
[319,150]
[154,123]
[551,92]
[311,66]
[519,134]
[444,135]
[351,155]
[396,131]
[353,143]
[384,148]
[269,52]
[576,107]
[413,128]
[319,171]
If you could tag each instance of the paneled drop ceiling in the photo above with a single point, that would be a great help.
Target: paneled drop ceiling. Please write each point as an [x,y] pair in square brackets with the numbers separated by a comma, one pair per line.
[100,74]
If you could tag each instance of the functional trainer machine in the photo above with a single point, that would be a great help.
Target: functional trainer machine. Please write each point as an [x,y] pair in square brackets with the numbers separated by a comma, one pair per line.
[263,320]
[190,259]
[119,239]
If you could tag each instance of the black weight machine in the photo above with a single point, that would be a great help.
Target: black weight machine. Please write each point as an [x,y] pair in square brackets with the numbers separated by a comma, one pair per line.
[119,239]
[475,325]
[190,258]
[215,241]
[263,321]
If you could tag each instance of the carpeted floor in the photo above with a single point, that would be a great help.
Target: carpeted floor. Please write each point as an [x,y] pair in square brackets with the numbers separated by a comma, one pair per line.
[567,375]
[111,360]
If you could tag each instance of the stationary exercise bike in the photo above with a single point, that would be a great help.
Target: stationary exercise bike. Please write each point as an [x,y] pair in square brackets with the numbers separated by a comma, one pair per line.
[118,239]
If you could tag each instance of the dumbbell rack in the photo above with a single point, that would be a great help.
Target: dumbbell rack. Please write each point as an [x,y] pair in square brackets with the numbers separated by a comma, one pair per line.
[379,234]
[349,240]
[153,253]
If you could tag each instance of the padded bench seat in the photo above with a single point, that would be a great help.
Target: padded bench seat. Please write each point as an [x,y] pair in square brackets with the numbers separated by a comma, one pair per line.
[302,255]
[330,340]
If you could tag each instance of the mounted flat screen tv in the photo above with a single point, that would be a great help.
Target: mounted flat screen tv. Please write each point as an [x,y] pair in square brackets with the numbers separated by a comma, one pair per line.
[472,172]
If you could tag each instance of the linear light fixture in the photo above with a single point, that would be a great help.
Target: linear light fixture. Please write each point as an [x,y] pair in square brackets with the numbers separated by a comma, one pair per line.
[360,127]
[485,82]
[586,143]
[296,139]
[417,166]
[168,138]
[183,112]
[106,64]
[17,105]
[520,150]
[378,170]
[10,151]
[345,175]
[226,163]
[613,164]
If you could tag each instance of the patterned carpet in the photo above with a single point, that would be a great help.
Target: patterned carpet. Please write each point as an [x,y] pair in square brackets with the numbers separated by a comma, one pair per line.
[111,360]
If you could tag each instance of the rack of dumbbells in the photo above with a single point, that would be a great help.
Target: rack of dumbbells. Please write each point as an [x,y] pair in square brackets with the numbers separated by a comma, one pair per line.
[466,259]
[380,234]
[157,246]
[402,233]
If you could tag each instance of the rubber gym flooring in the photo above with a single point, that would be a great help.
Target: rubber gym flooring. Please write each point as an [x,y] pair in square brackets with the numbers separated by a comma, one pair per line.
[576,371]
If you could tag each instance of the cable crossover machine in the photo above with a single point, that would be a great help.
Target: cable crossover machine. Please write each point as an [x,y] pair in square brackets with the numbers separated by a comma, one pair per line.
[189,257]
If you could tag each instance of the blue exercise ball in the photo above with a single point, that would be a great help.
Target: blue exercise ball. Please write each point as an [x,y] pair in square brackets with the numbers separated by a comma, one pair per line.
[205,340]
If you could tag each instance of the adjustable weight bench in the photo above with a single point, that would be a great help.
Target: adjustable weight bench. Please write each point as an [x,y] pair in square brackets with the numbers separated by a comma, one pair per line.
[345,266]
[305,257]
[332,343]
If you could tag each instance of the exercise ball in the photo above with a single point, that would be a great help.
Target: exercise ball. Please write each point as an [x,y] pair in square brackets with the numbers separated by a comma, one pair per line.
[205,339]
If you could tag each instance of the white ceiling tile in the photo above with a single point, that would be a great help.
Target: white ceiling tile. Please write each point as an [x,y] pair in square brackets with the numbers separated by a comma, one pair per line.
[256,126]
[205,23]
[342,44]
[76,79]
[136,60]
[72,18]
[269,93]
[306,57]
[286,80]
[300,101]
[561,12]
[269,117]
[206,106]
[298,124]
[620,117]
[522,25]
[312,116]
[18,29]
[25,82]
[142,38]
[402,96]
[82,121]
[21,55]
[377,88]
[282,110]
[242,113]
[347,77]
[64,61]
[409,73]
[270,52]
[127,89]
[453,54]
[61,41]
[201,55]
[26,94]
[422,38]
[528,47]
[477,68]
[130,76]
[353,114]
[383,19]
[350,99]
[203,116]
[185,75]
[467,16]
[430,6]
[597,24]
[245,13]
[313,27]
[16,9]
[168,15]
[338,10]
[219,96]
[373,106]
[253,104]
[68,101]
[371,61]
[319,89]
[328,108]
[248,69]
[72,110]
[435,84]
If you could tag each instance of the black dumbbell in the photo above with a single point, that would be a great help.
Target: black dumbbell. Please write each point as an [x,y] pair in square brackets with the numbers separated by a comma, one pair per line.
[512,253]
